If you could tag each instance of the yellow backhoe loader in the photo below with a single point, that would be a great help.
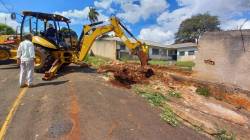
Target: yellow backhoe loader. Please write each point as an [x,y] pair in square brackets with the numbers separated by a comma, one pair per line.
[53,52]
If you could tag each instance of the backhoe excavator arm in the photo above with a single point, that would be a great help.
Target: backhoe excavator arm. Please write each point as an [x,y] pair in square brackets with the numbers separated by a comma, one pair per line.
[91,33]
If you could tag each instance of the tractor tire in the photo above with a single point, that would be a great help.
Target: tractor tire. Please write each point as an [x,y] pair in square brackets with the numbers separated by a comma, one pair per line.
[44,60]
[5,55]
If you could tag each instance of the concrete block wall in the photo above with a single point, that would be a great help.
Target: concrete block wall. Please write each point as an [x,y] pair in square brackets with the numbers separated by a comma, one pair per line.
[221,58]
[104,48]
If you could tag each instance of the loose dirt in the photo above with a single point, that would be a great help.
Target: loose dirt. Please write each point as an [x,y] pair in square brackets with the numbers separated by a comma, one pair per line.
[227,107]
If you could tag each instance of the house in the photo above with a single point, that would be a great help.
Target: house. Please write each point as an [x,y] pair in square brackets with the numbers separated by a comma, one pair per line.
[114,48]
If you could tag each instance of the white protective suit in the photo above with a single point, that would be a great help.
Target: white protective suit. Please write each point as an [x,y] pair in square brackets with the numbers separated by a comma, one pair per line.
[26,53]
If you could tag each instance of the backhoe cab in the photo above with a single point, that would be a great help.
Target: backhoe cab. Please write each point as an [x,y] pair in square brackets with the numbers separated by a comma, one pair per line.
[57,45]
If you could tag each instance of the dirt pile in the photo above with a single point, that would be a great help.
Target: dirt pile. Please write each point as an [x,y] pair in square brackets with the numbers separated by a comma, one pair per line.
[127,74]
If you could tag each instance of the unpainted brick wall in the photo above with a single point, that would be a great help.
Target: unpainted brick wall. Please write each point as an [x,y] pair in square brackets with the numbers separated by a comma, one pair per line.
[222,58]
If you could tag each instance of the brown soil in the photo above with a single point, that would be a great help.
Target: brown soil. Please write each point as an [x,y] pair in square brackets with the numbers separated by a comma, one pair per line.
[127,74]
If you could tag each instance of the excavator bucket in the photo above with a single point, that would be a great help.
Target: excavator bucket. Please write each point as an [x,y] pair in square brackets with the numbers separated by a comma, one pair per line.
[142,53]
[143,58]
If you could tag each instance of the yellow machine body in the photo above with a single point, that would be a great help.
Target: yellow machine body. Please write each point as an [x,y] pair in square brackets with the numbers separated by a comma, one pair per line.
[50,54]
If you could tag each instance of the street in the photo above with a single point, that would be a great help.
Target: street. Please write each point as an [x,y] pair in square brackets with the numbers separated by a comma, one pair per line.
[80,104]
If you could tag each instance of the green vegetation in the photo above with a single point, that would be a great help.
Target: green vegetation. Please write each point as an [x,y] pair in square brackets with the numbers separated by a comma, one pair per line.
[204,91]
[174,93]
[6,30]
[189,64]
[169,116]
[154,98]
[96,61]
[191,29]
[151,62]
[224,135]
[157,99]
[93,14]
[158,62]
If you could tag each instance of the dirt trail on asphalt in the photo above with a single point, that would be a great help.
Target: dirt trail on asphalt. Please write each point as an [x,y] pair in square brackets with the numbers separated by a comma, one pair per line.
[81,105]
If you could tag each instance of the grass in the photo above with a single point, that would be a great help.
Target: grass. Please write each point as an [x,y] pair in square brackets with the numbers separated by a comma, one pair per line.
[97,61]
[174,93]
[157,99]
[151,62]
[158,62]
[154,98]
[204,91]
[224,135]
[169,116]
[185,64]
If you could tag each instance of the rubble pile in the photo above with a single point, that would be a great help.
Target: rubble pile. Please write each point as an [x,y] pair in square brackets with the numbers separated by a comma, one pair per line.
[127,74]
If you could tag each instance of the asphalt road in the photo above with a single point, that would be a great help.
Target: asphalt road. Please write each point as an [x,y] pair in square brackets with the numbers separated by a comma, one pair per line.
[80,105]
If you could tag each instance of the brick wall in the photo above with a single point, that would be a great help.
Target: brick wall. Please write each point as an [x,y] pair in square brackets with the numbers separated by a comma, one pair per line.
[221,58]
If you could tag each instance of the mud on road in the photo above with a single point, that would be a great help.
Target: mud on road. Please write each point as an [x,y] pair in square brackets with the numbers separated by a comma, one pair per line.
[80,104]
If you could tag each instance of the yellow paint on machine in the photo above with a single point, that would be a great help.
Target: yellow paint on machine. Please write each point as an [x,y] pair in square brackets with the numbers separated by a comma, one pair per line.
[11,113]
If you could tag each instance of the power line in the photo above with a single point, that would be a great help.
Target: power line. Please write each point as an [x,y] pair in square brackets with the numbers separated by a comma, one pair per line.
[4,5]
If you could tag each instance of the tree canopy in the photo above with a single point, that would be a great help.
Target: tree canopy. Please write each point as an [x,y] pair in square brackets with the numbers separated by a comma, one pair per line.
[93,15]
[191,29]
[6,30]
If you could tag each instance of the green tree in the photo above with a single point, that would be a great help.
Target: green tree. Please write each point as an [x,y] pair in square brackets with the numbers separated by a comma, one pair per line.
[6,30]
[93,15]
[191,29]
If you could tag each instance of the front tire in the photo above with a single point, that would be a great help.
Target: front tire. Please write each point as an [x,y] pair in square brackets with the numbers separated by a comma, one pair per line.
[44,59]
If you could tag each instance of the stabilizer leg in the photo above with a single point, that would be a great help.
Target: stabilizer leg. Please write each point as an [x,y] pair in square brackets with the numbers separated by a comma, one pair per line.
[52,71]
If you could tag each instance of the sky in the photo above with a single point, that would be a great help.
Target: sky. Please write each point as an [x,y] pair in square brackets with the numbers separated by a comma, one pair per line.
[152,20]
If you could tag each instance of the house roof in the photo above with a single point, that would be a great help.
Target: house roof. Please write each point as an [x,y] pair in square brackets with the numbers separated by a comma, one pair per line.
[182,45]
[155,44]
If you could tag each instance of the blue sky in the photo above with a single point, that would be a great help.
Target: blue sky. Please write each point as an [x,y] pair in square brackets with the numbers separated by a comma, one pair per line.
[154,20]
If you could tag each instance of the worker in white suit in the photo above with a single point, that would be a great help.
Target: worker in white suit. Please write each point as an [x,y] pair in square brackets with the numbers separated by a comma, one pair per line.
[26,59]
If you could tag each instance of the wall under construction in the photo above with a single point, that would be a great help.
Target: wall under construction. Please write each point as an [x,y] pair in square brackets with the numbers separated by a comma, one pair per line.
[224,57]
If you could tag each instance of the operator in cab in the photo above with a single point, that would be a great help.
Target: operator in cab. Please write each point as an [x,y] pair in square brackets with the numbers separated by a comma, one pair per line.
[51,33]
[26,60]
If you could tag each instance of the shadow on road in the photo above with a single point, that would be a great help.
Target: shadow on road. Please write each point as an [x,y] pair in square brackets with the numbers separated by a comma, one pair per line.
[75,68]
[6,62]
[11,67]
[50,83]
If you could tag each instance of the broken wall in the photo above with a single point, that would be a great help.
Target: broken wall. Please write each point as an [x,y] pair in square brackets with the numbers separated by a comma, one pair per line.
[224,57]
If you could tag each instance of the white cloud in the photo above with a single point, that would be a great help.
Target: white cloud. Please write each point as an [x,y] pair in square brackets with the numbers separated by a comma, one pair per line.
[236,24]
[133,11]
[156,34]
[168,22]
[5,18]
[105,4]
[80,16]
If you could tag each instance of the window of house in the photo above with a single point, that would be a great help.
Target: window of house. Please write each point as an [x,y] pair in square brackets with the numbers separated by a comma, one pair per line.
[155,51]
[181,53]
[122,47]
[190,52]
[164,52]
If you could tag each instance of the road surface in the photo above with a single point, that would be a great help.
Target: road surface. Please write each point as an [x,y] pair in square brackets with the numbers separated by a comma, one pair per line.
[80,105]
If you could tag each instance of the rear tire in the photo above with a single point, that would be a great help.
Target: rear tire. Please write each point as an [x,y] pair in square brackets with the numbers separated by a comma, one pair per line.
[44,59]
[5,55]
